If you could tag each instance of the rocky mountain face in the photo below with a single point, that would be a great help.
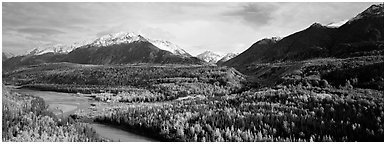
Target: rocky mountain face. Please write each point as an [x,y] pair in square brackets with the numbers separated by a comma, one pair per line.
[360,35]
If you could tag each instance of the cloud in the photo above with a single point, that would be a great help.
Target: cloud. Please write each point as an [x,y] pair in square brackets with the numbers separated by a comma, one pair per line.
[254,14]
[156,33]
[44,31]
[14,44]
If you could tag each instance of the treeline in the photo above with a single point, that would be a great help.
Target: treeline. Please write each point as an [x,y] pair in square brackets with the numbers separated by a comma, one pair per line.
[167,82]
[281,114]
[122,75]
[26,119]
[75,88]
[357,72]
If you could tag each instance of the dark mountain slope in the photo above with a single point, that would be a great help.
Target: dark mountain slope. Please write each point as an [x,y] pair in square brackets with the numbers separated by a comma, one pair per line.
[309,43]
[135,52]
[20,61]
[124,53]
[362,35]
[251,53]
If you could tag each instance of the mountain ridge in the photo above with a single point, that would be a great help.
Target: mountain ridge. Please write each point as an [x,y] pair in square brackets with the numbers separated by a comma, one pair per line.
[317,41]
[209,57]
[119,48]
[108,40]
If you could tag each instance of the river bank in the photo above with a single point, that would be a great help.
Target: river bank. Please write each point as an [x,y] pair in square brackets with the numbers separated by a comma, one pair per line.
[65,104]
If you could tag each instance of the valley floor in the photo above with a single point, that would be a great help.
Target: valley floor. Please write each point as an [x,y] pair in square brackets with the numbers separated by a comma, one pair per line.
[315,100]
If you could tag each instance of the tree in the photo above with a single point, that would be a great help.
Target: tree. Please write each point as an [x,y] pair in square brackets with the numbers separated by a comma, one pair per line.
[195,138]
[180,132]
[259,136]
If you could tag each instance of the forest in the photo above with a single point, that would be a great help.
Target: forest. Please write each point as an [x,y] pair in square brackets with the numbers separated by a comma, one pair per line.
[26,118]
[281,114]
[313,100]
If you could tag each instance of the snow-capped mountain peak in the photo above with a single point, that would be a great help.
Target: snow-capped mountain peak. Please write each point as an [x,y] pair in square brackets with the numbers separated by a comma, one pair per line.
[56,48]
[129,37]
[228,56]
[117,38]
[209,57]
[7,55]
[108,40]
[168,46]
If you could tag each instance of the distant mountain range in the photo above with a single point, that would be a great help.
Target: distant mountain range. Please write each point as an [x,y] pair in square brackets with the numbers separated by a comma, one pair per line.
[7,55]
[209,57]
[213,58]
[108,40]
[56,48]
[124,48]
[358,36]
[226,57]
[361,35]
[119,48]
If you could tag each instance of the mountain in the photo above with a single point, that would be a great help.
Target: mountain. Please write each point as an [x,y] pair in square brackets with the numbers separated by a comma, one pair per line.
[125,48]
[7,55]
[209,57]
[225,58]
[361,35]
[171,47]
[371,12]
[129,37]
[116,39]
[311,42]
[107,40]
[337,24]
[119,48]
[56,48]
[27,60]
[250,54]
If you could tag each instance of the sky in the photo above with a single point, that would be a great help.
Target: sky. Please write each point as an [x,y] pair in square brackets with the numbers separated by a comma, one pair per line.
[195,27]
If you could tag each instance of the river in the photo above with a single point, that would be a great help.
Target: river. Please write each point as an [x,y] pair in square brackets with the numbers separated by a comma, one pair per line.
[64,104]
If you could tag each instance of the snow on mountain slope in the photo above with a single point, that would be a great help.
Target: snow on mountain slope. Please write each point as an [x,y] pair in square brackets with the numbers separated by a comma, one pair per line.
[108,40]
[168,46]
[336,24]
[8,54]
[117,38]
[129,37]
[209,57]
[56,48]
[227,57]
